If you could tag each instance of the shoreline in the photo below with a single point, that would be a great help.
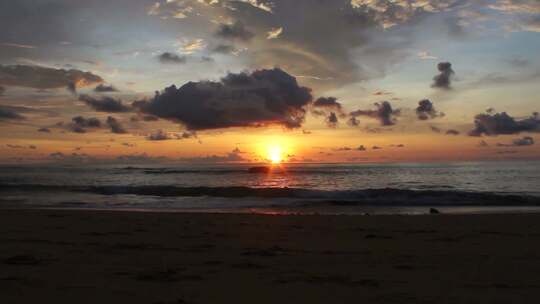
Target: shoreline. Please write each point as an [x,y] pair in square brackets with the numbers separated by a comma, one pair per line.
[417,211]
[83,256]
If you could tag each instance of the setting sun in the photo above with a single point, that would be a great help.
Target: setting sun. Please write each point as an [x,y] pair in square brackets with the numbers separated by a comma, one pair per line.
[275,154]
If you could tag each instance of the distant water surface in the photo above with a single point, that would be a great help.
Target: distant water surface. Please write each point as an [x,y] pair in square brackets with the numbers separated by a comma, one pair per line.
[341,188]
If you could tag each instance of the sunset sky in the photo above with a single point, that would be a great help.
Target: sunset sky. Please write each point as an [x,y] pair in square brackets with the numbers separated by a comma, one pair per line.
[315,80]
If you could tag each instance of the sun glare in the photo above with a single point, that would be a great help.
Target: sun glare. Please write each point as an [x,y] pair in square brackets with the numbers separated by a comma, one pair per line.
[275,154]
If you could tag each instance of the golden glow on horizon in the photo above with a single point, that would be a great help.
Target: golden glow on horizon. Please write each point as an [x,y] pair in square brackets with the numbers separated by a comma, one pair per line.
[275,154]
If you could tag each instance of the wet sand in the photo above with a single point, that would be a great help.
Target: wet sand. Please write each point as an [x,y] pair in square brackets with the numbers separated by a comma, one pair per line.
[51,256]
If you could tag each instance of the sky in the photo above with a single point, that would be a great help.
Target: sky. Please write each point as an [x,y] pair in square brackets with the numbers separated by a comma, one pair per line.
[213,81]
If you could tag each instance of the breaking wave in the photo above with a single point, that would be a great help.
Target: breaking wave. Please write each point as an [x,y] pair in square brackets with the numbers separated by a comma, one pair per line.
[379,197]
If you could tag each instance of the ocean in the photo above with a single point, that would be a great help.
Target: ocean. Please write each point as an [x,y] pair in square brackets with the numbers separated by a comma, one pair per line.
[406,188]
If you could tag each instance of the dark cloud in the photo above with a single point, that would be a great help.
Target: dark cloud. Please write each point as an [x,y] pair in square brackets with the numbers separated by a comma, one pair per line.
[525,141]
[328,106]
[80,124]
[353,122]
[44,130]
[398,146]
[115,125]
[435,129]
[239,100]
[452,132]
[162,135]
[426,110]
[7,113]
[332,120]
[502,123]
[519,142]
[376,148]
[46,78]
[105,104]
[235,31]
[105,88]
[361,148]
[384,113]
[158,136]
[167,58]
[31,147]
[224,49]
[143,117]
[73,157]
[2,91]
[328,103]
[444,79]
[341,149]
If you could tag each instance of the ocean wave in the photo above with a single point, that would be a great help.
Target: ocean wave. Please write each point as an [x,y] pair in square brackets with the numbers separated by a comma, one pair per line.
[379,197]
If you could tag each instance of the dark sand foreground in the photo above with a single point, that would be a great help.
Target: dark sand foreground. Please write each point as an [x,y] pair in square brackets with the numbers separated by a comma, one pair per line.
[135,257]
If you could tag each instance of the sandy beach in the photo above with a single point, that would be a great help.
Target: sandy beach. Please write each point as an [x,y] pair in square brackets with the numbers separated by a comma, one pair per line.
[55,256]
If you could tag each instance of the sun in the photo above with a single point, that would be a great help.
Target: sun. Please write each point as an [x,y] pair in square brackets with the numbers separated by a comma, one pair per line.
[275,154]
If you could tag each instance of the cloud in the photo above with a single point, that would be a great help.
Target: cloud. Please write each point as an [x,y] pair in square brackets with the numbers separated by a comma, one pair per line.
[259,4]
[452,132]
[2,91]
[162,135]
[31,147]
[115,125]
[376,148]
[435,129]
[341,149]
[483,144]
[389,13]
[353,122]
[526,11]
[328,103]
[79,124]
[73,157]
[383,112]
[233,156]
[46,78]
[191,46]
[502,123]
[361,148]
[274,33]
[101,88]
[168,58]
[158,136]
[224,49]
[7,113]
[357,46]
[426,110]
[332,120]
[444,79]
[263,97]
[525,141]
[235,31]
[105,104]
[44,130]
[424,55]
[497,79]
[17,45]
[519,142]
[328,106]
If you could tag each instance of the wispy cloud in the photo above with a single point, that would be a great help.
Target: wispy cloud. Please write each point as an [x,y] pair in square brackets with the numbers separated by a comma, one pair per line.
[17,45]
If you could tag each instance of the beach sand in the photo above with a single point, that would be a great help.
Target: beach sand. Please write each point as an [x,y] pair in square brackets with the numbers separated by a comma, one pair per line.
[50,256]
